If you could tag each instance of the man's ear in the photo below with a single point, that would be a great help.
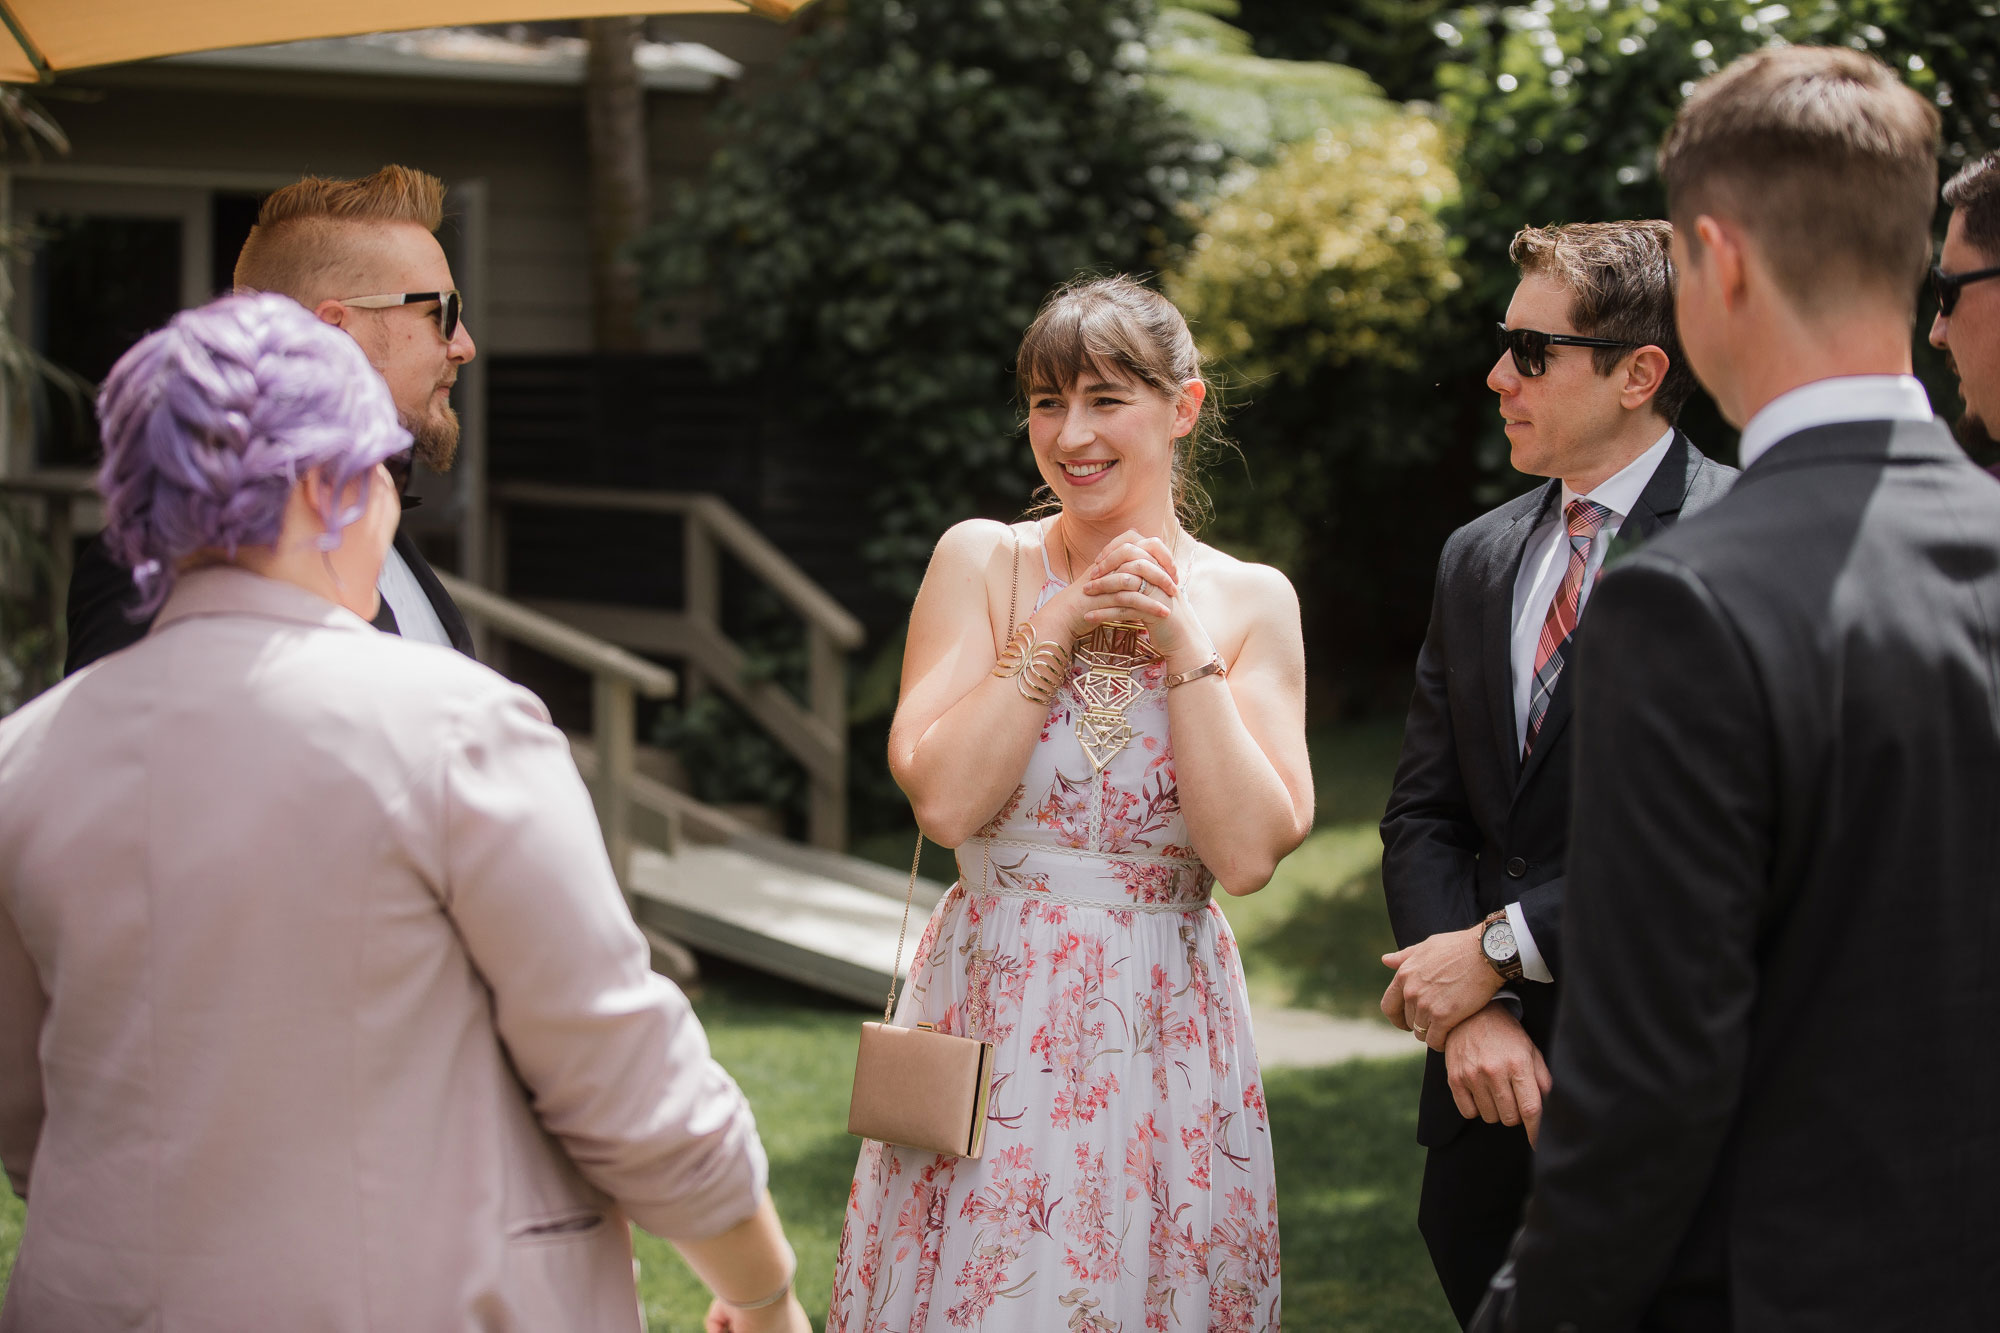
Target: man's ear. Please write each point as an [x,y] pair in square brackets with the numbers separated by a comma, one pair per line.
[332,312]
[1645,372]
[1726,256]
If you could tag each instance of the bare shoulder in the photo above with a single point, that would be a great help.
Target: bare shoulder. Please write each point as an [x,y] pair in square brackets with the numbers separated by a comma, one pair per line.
[972,546]
[1257,591]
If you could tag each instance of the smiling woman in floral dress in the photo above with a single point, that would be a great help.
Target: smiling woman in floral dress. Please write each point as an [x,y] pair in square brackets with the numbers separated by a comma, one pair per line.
[1136,739]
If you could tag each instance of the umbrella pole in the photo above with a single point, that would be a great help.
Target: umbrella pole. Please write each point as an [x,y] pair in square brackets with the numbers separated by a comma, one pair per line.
[28,48]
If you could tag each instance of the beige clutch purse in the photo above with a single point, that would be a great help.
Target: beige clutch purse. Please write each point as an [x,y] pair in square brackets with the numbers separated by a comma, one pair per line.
[918,1087]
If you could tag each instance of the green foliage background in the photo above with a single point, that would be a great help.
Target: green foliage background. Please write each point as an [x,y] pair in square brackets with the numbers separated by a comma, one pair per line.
[884,219]
[1328,190]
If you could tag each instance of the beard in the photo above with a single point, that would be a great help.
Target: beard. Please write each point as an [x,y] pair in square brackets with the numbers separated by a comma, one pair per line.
[1974,435]
[1973,432]
[434,437]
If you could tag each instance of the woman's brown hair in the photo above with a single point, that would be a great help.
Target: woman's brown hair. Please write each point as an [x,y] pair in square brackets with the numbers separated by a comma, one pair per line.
[1119,324]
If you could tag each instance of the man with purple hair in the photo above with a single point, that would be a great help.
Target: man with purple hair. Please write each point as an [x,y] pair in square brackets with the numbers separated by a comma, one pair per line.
[361,255]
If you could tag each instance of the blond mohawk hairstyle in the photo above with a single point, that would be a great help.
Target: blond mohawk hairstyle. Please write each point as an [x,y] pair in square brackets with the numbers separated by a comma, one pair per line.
[310,234]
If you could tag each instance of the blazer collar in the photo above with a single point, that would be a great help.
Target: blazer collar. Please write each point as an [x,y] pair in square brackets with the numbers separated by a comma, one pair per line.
[1877,442]
[1664,495]
[230,590]
[1497,629]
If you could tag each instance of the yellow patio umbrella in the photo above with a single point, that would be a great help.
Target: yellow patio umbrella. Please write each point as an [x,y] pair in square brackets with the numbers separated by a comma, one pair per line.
[46,37]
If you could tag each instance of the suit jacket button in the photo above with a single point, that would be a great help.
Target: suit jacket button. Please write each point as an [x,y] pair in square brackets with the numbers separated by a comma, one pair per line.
[1516,867]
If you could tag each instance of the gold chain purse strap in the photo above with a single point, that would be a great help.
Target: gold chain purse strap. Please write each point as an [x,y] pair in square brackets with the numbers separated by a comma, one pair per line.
[903,932]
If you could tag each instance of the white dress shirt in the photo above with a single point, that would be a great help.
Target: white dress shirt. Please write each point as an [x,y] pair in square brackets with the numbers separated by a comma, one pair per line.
[1827,402]
[416,619]
[1543,564]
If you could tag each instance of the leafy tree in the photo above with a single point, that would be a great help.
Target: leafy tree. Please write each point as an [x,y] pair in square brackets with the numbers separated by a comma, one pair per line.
[1393,42]
[1333,254]
[885,216]
[1245,104]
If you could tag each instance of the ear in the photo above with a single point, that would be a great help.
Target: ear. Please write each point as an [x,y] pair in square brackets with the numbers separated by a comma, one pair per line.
[1187,408]
[1645,372]
[332,312]
[1725,256]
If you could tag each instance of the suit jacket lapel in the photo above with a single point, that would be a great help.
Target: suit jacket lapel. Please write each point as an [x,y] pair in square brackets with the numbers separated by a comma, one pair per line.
[1497,631]
[1657,507]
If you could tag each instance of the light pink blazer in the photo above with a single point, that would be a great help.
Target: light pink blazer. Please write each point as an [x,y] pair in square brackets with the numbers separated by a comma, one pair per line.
[319,1006]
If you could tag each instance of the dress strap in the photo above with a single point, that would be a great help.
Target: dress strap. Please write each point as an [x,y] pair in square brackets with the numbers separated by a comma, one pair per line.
[1048,572]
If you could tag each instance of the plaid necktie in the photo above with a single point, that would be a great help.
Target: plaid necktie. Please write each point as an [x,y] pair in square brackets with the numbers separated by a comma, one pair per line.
[1584,518]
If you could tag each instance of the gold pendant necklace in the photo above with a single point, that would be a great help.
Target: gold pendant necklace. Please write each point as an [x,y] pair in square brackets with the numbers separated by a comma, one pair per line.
[1109,654]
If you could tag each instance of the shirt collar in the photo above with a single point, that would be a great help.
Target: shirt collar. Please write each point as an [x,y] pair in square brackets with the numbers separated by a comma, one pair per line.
[223,590]
[1622,489]
[1825,402]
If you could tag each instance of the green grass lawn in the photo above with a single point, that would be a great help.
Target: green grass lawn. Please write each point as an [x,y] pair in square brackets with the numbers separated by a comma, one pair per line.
[1348,1163]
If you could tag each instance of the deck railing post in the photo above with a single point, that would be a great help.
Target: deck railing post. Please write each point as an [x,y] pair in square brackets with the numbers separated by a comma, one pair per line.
[489,647]
[704,589]
[611,725]
[60,529]
[826,683]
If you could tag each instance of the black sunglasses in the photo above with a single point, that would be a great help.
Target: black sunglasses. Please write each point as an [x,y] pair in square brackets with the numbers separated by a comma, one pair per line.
[1531,347]
[450,306]
[1947,285]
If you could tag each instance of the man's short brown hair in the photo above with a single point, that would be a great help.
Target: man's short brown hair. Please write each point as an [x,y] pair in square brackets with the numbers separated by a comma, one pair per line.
[1620,277]
[1825,157]
[1975,193]
[306,240]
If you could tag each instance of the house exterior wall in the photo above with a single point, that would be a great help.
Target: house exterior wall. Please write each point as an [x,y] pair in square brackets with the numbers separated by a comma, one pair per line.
[241,130]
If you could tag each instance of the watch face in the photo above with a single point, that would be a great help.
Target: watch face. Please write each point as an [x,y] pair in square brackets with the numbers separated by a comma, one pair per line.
[1498,942]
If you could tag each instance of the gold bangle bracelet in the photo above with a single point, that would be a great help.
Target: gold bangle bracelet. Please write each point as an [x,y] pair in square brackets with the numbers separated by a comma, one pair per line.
[1015,655]
[1044,672]
[1039,666]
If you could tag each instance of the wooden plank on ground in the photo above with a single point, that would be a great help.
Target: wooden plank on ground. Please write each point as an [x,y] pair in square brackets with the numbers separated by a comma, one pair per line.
[778,917]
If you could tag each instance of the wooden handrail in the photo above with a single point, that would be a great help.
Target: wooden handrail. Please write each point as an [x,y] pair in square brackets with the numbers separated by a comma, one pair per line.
[558,640]
[813,730]
[743,541]
[77,483]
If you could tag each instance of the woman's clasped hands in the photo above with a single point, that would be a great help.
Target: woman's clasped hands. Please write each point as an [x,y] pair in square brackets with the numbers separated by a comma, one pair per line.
[1135,578]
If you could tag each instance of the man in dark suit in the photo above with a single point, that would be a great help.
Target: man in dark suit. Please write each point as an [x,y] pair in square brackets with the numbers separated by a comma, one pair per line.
[1776,1102]
[1590,381]
[1966,283]
[361,254]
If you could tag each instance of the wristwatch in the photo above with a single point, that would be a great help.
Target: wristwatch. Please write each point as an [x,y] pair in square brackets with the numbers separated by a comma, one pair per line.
[1501,949]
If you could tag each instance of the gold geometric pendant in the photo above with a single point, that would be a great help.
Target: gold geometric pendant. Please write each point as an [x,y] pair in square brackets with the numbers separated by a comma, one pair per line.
[1109,655]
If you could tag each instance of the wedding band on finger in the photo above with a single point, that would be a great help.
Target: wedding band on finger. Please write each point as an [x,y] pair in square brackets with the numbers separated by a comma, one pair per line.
[1423,1034]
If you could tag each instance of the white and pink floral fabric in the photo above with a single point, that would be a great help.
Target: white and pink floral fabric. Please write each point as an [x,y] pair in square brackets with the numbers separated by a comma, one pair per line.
[1127,1180]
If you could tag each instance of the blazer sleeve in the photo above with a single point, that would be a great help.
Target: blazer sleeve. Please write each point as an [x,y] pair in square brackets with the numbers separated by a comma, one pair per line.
[614,1060]
[1673,819]
[1542,908]
[1430,842]
[22,1009]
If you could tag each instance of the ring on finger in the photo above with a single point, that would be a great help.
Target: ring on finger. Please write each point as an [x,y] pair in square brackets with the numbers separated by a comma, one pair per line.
[1423,1034]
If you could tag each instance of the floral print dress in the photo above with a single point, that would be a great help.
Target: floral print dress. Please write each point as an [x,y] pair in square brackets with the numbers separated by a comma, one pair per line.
[1127,1181]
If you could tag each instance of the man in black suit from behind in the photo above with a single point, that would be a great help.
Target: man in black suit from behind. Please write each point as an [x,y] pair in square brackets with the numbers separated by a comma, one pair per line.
[1777,1080]
[360,254]
[1590,380]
